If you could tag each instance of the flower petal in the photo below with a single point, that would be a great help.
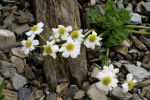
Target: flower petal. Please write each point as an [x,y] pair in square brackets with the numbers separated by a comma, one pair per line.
[40,24]
[129,77]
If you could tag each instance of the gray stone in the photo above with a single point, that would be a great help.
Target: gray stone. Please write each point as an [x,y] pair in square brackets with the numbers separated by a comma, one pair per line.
[7,38]
[21,29]
[96,94]
[136,97]
[146,92]
[28,73]
[129,7]
[138,72]
[146,5]
[120,4]
[123,49]
[95,72]
[38,94]
[145,40]
[147,66]
[19,63]
[24,93]
[17,52]
[118,64]
[51,96]
[8,20]
[10,95]
[136,18]
[119,94]
[18,81]
[8,72]
[80,94]
[62,88]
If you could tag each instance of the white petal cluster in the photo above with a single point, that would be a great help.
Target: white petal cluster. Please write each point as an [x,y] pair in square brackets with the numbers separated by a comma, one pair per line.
[107,78]
[92,40]
[28,45]
[35,29]
[129,84]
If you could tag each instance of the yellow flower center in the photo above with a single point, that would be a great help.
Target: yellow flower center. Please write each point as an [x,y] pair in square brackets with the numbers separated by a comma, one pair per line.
[75,34]
[92,38]
[34,28]
[106,80]
[28,43]
[131,84]
[70,46]
[62,30]
[48,49]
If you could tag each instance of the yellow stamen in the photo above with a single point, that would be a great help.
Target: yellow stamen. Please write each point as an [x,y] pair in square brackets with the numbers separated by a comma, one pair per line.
[48,49]
[75,34]
[106,80]
[92,38]
[28,43]
[34,28]
[62,30]
[70,46]
[131,84]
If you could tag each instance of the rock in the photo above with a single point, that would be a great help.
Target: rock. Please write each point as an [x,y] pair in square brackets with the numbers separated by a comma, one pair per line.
[28,73]
[138,72]
[146,6]
[93,2]
[62,88]
[119,95]
[136,18]
[145,40]
[7,38]
[6,64]
[118,64]
[96,94]
[126,43]
[143,83]
[79,95]
[30,17]
[21,19]
[9,1]
[120,4]
[123,49]
[24,93]
[146,58]
[133,51]
[138,43]
[147,66]
[8,20]
[3,56]
[86,86]
[95,72]
[21,29]
[18,81]
[136,97]
[19,63]
[17,52]
[138,64]
[38,94]
[8,72]
[146,92]
[129,7]
[51,96]
[70,93]
[10,95]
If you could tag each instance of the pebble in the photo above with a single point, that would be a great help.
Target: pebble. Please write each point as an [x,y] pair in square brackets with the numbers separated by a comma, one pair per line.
[123,49]
[140,73]
[136,18]
[96,94]
[8,72]
[95,72]
[38,94]
[62,89]
[10,95]
[7,38]
[17,52]
[51,96]
[29,73]
[138,64]
[24,93]
[145,40]
[18,81]
[79,95]
[21,29]
[146,92]
[146,5]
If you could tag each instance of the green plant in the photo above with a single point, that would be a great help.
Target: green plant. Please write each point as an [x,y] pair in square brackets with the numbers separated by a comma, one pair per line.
[1,90]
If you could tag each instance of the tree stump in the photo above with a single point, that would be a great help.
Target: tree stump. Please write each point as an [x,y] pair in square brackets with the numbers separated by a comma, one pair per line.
[61,12]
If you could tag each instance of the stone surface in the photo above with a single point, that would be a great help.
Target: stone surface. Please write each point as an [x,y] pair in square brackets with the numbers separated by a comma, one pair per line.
[10,95]
[18,81]
[95,72]
[7,38]
[95,94]
[8,72]
[145,40]
[21,29]
[51,96]
[123,49]
[118,94]
[24,93]
[62,88]
[38,94]
[146,5]
[146,92]
[79,95]
[138,72]
[17,52]
[19,63]
[136,18]
[28,73]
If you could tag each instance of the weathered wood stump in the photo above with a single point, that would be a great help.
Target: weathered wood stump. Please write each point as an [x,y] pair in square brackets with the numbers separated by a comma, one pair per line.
[61,12]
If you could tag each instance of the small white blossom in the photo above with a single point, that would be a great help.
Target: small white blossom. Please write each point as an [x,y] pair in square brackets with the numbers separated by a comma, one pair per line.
[112,69]
[70,48]
[50,49]
[62,32]
[28,45]
[36,29]
[92,40]
[77,36]
[129,84]
[107,81]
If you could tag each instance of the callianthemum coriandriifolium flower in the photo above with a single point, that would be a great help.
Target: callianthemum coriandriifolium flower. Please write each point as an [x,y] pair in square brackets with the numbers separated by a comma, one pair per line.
[77,36]
[50,49]
[61,32]
[29,45]
[107,80]
[92,40]
[70,48]
[129,84]
[35,29]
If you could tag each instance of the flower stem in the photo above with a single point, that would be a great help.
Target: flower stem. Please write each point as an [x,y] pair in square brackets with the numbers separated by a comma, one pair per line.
[42,37]
[87,33]
[138,32]
[102,34]
[39,46]
[138,26]
[107,54]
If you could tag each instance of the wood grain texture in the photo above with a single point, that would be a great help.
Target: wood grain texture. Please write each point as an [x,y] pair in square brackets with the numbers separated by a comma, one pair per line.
[53,13]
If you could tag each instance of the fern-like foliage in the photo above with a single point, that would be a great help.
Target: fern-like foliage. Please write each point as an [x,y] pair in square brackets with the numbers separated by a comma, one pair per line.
[112,22]
[1,90]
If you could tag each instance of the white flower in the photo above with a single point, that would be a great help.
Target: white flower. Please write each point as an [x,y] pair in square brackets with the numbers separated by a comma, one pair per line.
[92,40]
[129,85]
[77,36]
[28,45]
[50,49]
[107,81]
[62,32]
[112,69]
[70,48]
[36,29]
